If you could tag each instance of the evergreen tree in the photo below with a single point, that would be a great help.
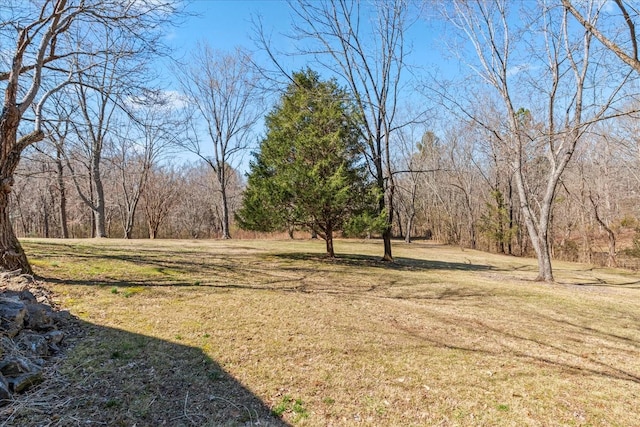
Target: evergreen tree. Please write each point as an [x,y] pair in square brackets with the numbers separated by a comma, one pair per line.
[309,171]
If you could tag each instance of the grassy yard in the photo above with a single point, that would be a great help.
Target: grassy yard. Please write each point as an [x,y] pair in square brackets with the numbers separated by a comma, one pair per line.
[232,332]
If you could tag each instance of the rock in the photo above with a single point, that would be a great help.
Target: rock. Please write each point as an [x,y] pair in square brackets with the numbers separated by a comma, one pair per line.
[28,333]
[14,366]
[23,295]
[33,344]
[62,317]
[54,337]
[20,373]
[6,346]
[39,317]
[24,381]
[12,315]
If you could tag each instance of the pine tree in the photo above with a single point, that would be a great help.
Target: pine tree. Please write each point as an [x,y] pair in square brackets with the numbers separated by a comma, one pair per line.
[309,170]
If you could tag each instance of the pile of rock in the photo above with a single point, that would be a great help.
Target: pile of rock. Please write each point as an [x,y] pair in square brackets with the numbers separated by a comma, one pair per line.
[29,333]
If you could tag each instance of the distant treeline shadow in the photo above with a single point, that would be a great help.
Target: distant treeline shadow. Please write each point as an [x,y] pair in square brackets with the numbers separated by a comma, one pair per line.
[399,263]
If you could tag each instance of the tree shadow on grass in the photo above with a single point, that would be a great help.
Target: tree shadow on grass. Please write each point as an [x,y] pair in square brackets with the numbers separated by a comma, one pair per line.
[399,263]
[118,378]
[597,282]
[580,358]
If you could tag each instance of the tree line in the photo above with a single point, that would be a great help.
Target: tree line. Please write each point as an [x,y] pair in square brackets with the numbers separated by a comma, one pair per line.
[532,150]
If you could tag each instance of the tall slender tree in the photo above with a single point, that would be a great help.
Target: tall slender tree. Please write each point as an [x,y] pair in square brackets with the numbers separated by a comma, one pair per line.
[139,146]
[222,88]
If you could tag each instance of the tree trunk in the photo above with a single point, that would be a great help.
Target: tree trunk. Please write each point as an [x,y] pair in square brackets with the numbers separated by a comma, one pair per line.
[99,219]
[511,218]
[12,254]
[472,233]
[45,218]
[545,272]
[225,215]
[99,211]
[128,228]
[63,195]
[386,238]
[537,232]
[407,237]
[329,242]
[130,216]
[386,234]
[399,222]
[611,261]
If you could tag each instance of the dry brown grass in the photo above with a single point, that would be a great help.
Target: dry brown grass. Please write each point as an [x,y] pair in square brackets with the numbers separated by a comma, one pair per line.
[441,337]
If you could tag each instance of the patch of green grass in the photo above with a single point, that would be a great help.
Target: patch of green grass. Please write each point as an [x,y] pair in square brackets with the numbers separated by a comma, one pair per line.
[215,375]
[299,410]
[282,406]
[129,292]
[295,407]
[112,403]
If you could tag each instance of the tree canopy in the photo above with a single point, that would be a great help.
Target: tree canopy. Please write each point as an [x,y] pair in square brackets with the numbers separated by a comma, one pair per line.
[309,170]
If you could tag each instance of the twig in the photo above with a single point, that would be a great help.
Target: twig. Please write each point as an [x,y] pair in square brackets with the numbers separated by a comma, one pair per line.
[186,415]
[236,406]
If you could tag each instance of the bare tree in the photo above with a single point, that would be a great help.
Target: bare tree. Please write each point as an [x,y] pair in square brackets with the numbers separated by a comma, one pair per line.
[57,129]
[161,195]
[541,136]
[222,88]
[139,145]
[61,186]
[419,160]
[37,38]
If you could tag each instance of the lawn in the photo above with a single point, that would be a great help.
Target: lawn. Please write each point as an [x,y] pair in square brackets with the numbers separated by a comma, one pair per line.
[272,333]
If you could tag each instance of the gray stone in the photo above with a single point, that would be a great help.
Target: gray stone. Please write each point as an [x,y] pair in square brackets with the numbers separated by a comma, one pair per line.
[27,296]
[54,337]
[12,315]
[6,345]
[38,317]
[24,381]
[15,365]
[32,344]
[62,317]
[20,373]
[27,335]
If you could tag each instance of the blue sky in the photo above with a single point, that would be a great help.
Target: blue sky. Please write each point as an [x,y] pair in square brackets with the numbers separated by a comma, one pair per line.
[226,24]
